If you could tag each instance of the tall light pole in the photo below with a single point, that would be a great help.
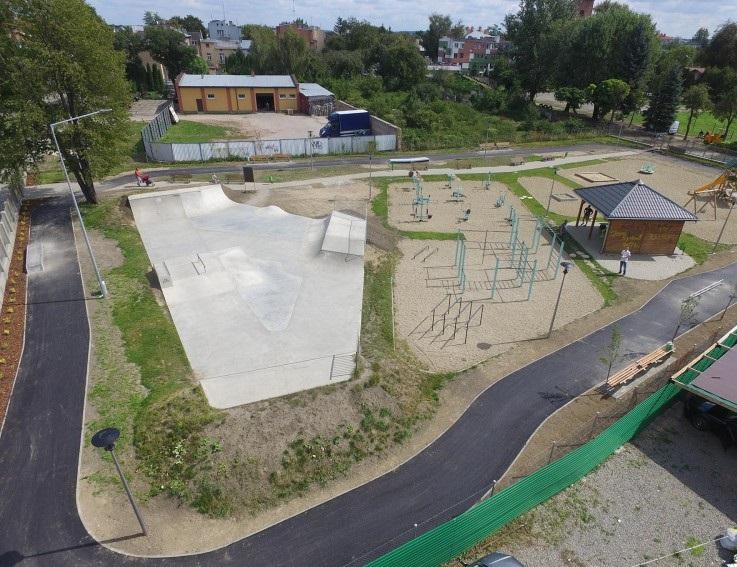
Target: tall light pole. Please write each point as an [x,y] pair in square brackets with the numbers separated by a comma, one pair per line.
[550,196]
[103,287]
[312,163]
[105,439]
[566,266]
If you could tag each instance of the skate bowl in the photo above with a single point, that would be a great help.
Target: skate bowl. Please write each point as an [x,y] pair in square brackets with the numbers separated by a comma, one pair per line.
[266,303]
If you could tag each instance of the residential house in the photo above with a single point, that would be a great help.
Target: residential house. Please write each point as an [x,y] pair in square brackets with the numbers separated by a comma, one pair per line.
[220,29]
[313,35]
[216,51]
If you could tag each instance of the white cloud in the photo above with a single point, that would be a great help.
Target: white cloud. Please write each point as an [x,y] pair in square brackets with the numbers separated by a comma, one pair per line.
[674,17]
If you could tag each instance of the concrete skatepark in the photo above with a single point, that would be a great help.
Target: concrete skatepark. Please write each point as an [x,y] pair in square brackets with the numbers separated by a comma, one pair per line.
[266,303]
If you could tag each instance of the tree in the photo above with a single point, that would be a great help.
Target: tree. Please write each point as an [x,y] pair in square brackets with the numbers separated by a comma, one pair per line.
[167,46]
[723,84]
[57,72]
[250,31]
[438,27]
[572,96]
[343,64]
[131,43]
[609,95]
[189,23]
[696,100]
[196,66]
[237,64]
[701,37]
[152,19]
[530,31]
[664,98]
[721,50]
[150,81]
[612,353]
[400,65]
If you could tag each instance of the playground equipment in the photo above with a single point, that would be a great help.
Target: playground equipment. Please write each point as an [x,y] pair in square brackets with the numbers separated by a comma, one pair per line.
[723,187]
[420,202]
[466,215]
[456,315]
[457,196]
[433,251]
[487,182]
[647,168]
[460,260]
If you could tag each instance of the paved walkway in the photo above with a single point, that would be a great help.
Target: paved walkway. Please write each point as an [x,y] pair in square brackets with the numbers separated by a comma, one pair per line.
[40,443]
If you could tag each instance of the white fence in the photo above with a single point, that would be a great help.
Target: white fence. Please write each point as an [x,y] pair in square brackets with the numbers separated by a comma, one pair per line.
[244,149]
[8,225]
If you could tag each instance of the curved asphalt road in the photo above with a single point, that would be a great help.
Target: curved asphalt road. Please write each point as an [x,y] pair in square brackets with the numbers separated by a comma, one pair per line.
[40,443]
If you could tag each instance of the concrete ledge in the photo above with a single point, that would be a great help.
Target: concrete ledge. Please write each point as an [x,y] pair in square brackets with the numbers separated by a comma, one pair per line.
[34,258]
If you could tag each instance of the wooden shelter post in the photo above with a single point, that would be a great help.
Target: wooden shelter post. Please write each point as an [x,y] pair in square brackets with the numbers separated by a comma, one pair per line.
[580,208]
[593,224]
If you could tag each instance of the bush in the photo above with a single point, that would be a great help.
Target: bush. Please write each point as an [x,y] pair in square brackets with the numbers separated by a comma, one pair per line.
[574,125]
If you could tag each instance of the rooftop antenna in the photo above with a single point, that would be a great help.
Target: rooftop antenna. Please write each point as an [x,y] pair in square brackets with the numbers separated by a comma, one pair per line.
[223,3]
[294,12]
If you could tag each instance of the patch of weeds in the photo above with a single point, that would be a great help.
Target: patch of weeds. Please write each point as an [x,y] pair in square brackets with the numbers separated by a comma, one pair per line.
[167,421]
[693,542]
[698,248]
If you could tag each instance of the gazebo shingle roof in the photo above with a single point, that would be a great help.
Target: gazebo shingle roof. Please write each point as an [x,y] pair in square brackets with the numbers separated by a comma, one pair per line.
[633,200]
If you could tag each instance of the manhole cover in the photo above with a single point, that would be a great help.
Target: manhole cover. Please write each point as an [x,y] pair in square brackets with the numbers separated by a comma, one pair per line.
[483,346]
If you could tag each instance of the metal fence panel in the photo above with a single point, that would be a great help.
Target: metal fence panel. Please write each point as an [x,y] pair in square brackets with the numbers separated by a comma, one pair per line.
[242,149]
[161,152]
[218,150]
[360,144]
[386,142]
[339,145]
[267,147]
[296,147]
[186,152]
[318,146]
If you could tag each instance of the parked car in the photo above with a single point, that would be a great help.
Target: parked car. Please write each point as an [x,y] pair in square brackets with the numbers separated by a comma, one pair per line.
[708,416]
[495,559]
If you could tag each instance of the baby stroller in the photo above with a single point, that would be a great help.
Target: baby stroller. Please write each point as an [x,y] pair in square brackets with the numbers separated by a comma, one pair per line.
[143,180]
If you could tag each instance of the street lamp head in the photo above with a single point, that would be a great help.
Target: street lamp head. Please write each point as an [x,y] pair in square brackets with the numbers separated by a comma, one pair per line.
[106,438]
[566,266]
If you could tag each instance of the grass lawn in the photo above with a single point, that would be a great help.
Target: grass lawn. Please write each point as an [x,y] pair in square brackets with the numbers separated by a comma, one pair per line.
[188,131]
[706,121]
[698,248]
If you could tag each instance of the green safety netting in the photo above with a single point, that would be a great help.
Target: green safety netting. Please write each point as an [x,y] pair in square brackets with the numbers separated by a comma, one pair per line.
[452,538]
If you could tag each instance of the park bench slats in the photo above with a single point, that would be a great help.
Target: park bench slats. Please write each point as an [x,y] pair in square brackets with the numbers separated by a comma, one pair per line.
[631,371]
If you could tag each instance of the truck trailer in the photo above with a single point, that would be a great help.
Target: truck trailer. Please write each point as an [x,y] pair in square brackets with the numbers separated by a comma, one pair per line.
[347,123]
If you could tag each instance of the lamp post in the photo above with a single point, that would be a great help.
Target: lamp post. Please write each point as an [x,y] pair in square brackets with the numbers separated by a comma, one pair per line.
[312,165]
[105,439]
[566,266]
[103,287]
[550,196]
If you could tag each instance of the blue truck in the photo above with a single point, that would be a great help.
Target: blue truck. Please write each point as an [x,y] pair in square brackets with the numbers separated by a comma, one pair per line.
[347,123]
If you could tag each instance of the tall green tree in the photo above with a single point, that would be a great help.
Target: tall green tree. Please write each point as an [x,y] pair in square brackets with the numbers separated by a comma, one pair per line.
[152,19]
[400,65]
[58,72]
[701,38]
[189,23]
[131,43]
[237,64]
[167,47]
[664,98]
[572,96]
[150,81]
[609,95]
[440,26]
[530,31]
[723,84]
[696,100]
[197,66]
[721,51]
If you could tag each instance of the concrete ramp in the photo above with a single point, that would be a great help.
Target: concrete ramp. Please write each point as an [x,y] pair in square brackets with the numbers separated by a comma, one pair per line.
[345,234]
[261,312]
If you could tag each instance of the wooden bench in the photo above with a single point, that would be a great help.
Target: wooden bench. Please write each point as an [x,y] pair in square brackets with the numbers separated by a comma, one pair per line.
[517,161]
[495,145]
[548,158]
[641,365]
[180,178]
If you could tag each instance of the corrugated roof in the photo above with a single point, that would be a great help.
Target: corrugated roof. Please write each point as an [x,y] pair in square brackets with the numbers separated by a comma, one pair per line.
[236,81]
[632,200]
[313,89]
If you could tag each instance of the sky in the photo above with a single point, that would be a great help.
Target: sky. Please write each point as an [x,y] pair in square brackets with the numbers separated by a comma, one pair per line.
[673,17]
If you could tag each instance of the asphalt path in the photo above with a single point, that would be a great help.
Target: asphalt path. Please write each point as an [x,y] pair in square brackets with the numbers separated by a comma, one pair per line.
[39,446]
[355,160]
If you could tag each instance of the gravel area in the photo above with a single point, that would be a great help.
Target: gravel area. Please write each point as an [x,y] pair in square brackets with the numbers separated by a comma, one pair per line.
[494,325]
[566,202]
[673,178]
[264,125]
[671,488]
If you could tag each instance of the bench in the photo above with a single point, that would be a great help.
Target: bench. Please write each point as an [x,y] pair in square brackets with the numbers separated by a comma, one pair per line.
[180,178]
[548,158]
[641,365]
[494,145]
[517,161]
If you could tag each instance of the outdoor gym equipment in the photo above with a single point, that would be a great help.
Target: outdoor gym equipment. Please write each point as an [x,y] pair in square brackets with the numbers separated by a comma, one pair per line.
[647,168]
[500,200]
[487,182]
[457,196]
[460,260]
[420,202]
[433,251]
[457,314]
[421,250]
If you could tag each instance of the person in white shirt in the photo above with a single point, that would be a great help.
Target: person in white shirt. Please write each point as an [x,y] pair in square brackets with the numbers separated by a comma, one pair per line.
[624,257]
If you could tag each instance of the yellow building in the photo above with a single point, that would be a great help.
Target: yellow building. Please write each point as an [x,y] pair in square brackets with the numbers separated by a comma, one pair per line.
[237,93]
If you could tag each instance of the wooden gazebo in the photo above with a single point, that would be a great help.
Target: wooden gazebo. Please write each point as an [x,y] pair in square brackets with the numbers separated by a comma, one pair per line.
[638,217]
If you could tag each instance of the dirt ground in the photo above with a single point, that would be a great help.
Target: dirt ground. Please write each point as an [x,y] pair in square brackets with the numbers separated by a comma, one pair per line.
[673,178]
[264,125]
[177,529]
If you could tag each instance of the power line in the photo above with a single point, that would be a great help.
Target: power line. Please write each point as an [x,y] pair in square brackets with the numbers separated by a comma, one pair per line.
[707,542]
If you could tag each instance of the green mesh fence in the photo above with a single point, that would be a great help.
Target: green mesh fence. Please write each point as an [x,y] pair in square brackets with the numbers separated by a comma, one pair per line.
[452,538]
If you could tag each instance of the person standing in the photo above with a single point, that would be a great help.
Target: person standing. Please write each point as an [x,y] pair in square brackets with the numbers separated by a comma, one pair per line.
[587,212]
[624,258]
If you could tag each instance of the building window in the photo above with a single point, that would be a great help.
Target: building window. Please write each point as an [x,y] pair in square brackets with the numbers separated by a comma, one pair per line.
[210,96]
[241,96]
[221,33]
[282,96]
[292,96]
[209,57]
[222,58]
